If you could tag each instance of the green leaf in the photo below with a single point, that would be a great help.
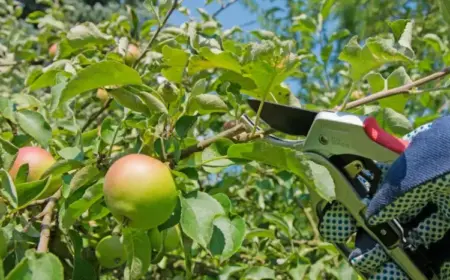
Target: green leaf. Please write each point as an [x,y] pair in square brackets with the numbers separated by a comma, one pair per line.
[29,191]
[108,131]
[184,125]
[225,201]
[8,153]
[279,157]
[260,232]
[37,266]
[228,272]
[260,273]
[83,177]
[206,104]
[8,189]
[323,182]
[214,157]
[129,100]
[34,124]
[101,74]
[87,34]
[47,79]
[7,108]
[326,8]
[375,53]
[396,79]
[393,122]
[77,208]
[197,216]
[435,42]
[338,35]
[199,87]
[402,30]
[299,272]
[227,237]
[304,23]
[213,58]
[154,104]
[62,166]
[444,7]
[83,269]
[139,253]
[281,224]
[176,60]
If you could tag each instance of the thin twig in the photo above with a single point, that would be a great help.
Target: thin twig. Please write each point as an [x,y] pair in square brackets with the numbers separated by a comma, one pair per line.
[158,30]
[236,133]
[398,90]
[46,222]
[224,7]
[200,146]
[13,127]
[310,219]
[95,116]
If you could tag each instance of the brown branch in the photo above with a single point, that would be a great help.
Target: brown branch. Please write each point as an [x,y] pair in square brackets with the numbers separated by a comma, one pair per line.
[200,146]
[95,116]
[158,30]
[224,7]
[395,91]
[46,222]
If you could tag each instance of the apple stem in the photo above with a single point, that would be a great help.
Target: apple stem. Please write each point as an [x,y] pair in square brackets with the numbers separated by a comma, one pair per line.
[95,116]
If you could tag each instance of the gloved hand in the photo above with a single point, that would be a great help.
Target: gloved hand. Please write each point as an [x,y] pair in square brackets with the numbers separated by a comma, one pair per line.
[418,179]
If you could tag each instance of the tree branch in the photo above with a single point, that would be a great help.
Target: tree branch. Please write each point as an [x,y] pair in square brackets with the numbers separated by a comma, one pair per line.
[158,30]
[46,222]
[395,91]
[95,116]
[236,132]
[224,7]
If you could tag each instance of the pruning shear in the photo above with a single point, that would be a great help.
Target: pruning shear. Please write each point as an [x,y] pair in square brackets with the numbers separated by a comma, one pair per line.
[348,146]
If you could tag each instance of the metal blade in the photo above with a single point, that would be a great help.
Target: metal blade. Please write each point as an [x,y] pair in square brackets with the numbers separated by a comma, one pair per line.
[286,119]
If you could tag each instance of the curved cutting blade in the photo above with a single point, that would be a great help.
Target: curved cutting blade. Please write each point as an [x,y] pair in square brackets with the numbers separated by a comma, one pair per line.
[286,119]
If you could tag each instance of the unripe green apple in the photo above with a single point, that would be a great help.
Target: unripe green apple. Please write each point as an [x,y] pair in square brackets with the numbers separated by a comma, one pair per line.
[168,91]
[102,94]
[52,50]
[38,160]
[171,239]
[110,252]
[132,54]
[140,189]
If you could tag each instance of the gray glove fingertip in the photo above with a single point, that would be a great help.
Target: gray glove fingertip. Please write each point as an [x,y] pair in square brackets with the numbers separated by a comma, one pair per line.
[389,271]
[337,224]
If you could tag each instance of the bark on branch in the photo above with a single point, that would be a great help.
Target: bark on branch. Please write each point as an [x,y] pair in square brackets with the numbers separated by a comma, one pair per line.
[395,91]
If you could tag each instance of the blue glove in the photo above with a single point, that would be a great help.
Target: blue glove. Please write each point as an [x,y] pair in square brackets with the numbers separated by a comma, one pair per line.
[419,180]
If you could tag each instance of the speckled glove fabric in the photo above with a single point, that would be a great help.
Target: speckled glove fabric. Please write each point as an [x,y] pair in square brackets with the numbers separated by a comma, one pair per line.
[418,180]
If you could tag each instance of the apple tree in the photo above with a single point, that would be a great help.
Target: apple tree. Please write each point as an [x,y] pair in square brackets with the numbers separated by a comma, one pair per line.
[123,154]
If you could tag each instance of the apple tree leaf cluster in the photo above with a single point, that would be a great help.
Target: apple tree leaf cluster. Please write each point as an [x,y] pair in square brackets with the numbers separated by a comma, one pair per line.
[89,85]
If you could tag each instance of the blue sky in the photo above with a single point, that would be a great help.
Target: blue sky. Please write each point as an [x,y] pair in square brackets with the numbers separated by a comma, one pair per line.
[236,14]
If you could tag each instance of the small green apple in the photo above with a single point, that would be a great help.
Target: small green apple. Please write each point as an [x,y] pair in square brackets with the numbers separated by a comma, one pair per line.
[170,237]
[132,54]
[111,252]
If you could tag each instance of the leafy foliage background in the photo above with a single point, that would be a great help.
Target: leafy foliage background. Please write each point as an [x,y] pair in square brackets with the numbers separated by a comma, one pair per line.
[256,221]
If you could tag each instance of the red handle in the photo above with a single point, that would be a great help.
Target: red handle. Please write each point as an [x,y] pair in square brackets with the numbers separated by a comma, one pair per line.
[377,134]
